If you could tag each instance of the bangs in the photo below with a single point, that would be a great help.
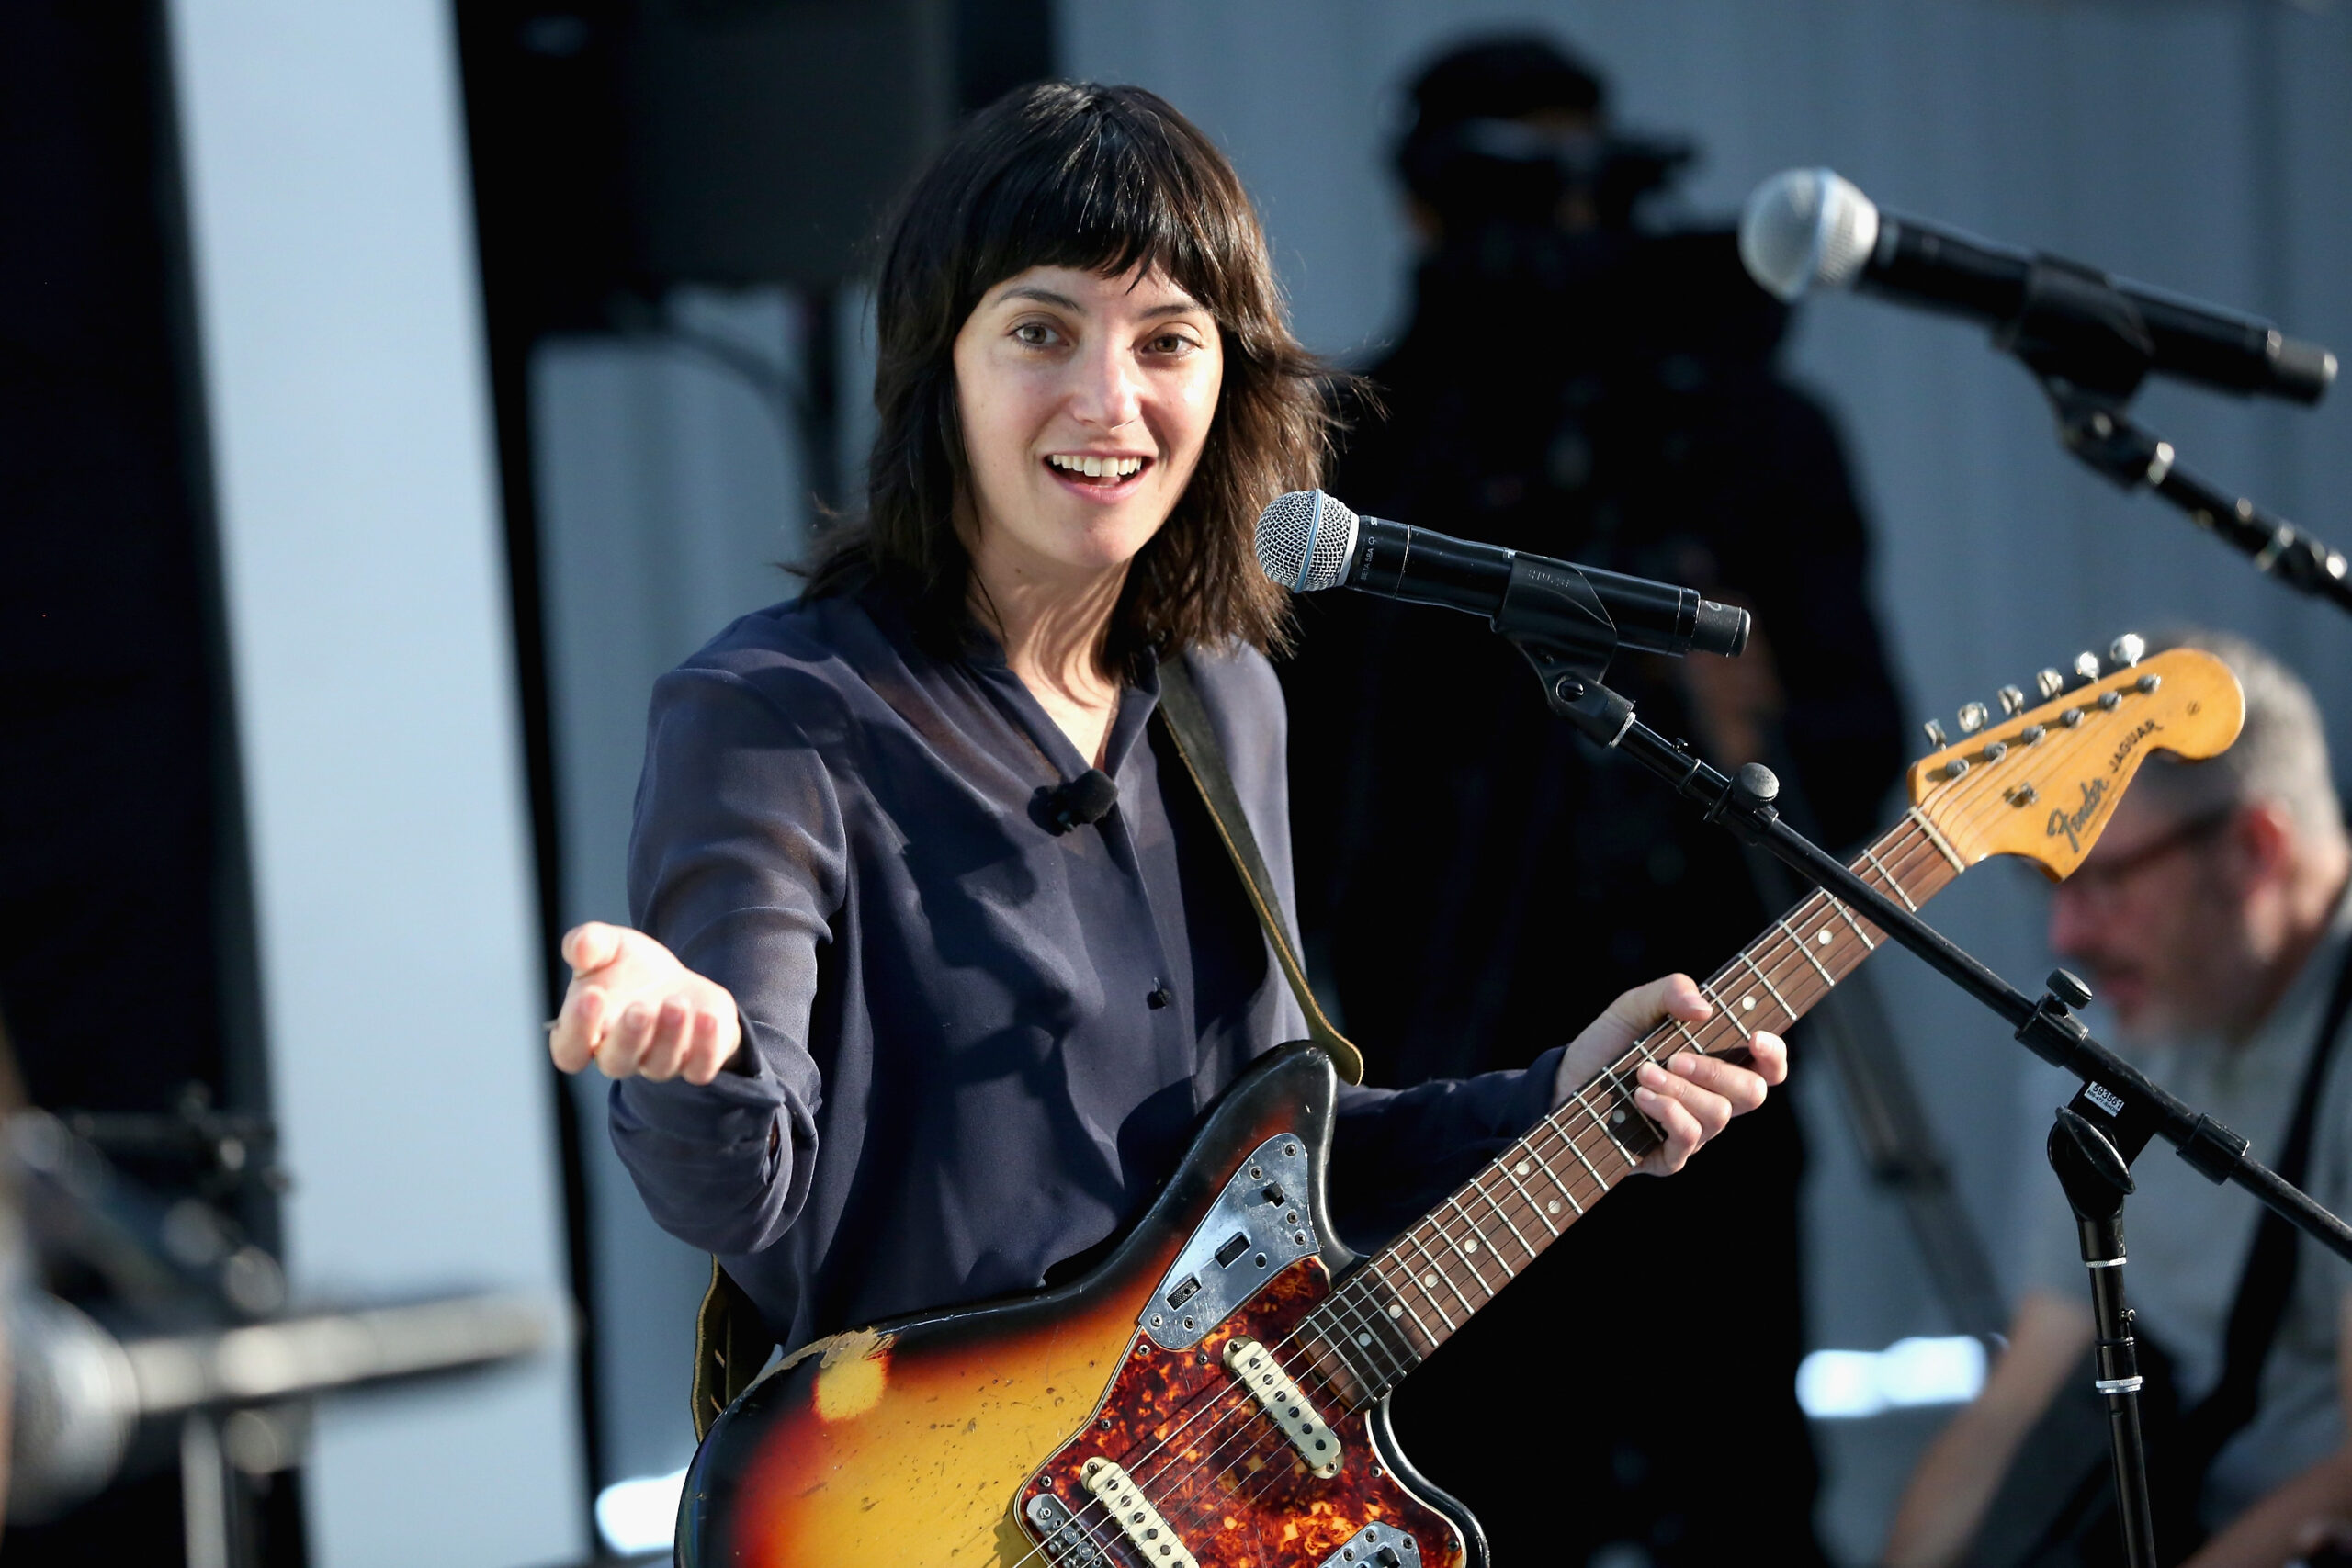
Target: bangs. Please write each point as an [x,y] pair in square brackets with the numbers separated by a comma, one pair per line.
[1104,183]
[1104,180]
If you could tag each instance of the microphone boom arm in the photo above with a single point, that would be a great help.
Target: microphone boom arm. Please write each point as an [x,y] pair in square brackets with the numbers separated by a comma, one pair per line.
[1743,806]
[2097,431]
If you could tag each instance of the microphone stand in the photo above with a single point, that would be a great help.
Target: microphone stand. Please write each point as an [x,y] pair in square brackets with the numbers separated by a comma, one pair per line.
[2093,426]
[2099,1133]
[2086,343]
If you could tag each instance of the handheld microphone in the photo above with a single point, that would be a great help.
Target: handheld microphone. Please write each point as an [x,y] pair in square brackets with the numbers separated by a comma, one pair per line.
[1308,541]
[1809,226]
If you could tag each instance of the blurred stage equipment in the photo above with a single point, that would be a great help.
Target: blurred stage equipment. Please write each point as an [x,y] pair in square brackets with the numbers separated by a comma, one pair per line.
[181,1318]
[2091,339]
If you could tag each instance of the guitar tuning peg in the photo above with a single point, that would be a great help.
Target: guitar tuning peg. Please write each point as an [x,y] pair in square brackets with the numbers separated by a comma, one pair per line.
[1935,735]
[2125,649]
[2012,701]
[1971,718]
[2049,682]
[2086,666]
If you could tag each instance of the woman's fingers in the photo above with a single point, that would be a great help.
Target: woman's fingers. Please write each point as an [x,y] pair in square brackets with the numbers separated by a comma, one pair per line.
[589,947]
[665,1049]
[1692,1098]
[622,1050]
[705,1052]
[572,1038]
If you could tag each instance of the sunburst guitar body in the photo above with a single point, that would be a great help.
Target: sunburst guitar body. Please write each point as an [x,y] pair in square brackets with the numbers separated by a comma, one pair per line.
[1213,1394]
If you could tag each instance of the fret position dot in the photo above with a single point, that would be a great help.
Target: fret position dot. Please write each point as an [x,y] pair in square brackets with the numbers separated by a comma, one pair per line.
[1748,1004]
[1396,1310]
[1520,1168]
[1428,1282]
[1364,1338]
[1824,937]
[1553,1207]
[1470,1246]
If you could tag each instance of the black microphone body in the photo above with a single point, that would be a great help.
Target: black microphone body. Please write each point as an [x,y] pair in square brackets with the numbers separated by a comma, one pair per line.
[1959,273]
[1532,595]
[2099,332]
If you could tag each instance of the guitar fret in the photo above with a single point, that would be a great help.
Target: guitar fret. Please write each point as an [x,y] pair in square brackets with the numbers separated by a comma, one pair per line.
[1437,1270]
[1554,1124]
[1404,1301]
[1868,945]
[1937,839]
[1771,989]
[1888,877]
[1723,1012]
[1467,1249]
[1504,1215]
[1530,1198]
[1794,963]
[1368,1378]
[1387,1327]
[1820,968]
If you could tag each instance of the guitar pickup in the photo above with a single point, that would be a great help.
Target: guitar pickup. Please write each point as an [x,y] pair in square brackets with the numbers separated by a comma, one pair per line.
[1153,1537]
[1283,1400]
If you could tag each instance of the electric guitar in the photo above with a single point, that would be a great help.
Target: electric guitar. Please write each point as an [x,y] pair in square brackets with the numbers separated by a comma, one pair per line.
[1214,1394]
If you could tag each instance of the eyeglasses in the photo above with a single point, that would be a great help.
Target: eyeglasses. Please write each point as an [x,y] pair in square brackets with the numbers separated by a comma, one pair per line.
[2100,879]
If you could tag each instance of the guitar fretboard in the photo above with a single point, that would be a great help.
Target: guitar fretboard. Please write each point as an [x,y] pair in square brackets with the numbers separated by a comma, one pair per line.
[1387,1315]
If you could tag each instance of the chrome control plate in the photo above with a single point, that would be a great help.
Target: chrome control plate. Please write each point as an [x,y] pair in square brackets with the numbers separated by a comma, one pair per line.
[1258,1224]
[1376,1546]
[1066,1542]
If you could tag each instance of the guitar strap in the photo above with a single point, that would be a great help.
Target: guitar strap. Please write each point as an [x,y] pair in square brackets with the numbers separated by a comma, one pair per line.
[731,1343]
[1187,723]
[2269,1278]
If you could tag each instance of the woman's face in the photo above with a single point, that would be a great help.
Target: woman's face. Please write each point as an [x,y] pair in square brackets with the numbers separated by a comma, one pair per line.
[1085,400]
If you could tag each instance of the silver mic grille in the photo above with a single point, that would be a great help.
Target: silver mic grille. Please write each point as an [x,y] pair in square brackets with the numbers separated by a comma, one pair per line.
[1804,227]
[1305,539]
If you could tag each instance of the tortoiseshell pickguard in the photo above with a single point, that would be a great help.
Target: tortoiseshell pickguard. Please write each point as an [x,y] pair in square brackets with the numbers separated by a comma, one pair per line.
[1209,1457]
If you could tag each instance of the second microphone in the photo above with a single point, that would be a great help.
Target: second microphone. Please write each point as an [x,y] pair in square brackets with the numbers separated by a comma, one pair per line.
[1308,541]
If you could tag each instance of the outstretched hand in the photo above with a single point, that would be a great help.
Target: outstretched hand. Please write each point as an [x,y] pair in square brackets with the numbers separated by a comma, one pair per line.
[1692,1097]
[636,1011]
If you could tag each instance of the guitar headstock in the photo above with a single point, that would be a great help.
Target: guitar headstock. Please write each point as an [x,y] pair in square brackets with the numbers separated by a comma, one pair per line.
[2042,784]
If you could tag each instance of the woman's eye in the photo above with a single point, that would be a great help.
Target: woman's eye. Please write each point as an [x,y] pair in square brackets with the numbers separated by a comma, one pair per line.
[1035,334]
[1172,342]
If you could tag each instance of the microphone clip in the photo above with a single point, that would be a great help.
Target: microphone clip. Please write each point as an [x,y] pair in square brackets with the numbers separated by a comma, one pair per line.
[1084,800]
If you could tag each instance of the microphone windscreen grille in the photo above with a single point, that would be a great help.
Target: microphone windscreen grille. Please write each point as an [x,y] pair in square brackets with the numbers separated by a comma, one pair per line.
[1305,539]
[1804,227]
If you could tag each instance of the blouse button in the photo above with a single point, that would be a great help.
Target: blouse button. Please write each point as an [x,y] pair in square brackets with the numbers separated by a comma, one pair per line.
[1158,996]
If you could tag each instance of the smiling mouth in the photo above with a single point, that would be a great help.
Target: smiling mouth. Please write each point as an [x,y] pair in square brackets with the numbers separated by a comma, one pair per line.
[1089,468]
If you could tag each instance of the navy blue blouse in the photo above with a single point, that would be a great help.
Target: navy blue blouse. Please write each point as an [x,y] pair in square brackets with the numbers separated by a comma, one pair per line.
[976,1044]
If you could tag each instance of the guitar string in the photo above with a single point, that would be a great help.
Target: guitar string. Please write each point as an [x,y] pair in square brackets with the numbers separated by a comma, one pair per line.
[1782,938]
[1786,952]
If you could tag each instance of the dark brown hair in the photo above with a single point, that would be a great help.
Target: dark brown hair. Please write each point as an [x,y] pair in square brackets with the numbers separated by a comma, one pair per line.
[1106,179]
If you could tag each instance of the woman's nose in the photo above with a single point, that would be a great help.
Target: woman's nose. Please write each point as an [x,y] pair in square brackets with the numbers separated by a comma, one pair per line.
[1109,393]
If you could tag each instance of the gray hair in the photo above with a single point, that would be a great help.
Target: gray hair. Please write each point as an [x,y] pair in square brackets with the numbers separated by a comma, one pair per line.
[2281,755]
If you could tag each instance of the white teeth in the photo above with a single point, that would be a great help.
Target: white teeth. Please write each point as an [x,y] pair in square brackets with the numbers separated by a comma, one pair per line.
[1095,467]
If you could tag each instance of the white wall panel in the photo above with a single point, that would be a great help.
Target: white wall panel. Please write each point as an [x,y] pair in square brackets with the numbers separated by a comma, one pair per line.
[374,697]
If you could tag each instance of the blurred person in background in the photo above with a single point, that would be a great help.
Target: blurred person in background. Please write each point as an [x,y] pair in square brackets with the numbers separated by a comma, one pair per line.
[1473,877]
[2213,918]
